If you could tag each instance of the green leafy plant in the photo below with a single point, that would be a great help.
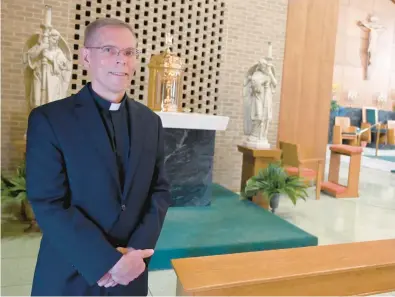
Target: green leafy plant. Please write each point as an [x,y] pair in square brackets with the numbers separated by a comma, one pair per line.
[334,105]
[274,180]
[14,187]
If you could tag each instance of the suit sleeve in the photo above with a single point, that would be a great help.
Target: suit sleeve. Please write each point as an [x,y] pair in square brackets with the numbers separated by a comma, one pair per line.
[147,233]
[76,238]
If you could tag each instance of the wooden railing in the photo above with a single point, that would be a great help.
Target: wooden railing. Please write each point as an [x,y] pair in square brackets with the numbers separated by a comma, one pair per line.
[363,268]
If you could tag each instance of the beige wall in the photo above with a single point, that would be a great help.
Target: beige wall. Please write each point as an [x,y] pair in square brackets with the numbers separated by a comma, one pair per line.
[247,26]
[348,64]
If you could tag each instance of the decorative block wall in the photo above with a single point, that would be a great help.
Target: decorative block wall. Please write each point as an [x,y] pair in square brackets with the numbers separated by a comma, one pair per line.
[198,31]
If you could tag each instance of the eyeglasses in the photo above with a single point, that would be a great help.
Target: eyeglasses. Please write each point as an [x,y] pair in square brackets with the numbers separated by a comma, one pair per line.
[112,51]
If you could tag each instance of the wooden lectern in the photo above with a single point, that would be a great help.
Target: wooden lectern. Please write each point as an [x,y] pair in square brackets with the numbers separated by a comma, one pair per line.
[256,159]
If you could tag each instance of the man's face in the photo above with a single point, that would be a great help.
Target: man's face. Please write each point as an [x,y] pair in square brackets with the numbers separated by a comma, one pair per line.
[111,70]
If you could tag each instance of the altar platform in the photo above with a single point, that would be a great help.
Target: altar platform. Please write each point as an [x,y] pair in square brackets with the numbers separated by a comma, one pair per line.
[228,225]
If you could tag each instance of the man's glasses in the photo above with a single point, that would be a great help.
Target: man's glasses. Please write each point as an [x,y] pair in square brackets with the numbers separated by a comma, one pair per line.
[112,51]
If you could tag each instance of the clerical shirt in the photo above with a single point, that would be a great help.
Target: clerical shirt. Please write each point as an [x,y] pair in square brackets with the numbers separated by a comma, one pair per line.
[115,117]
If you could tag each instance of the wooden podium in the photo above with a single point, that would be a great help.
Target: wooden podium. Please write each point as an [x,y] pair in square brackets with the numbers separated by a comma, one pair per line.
[256,159]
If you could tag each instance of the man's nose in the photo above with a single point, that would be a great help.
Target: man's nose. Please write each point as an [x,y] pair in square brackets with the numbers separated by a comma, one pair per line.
[121,59]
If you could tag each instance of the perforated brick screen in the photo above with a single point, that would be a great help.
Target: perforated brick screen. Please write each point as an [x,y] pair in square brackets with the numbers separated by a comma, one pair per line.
[197,27]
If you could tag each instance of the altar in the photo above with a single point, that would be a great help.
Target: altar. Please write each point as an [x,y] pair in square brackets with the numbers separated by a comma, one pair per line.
[189,155]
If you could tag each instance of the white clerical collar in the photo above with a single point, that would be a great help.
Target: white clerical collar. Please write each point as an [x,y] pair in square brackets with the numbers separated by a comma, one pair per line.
[115,106]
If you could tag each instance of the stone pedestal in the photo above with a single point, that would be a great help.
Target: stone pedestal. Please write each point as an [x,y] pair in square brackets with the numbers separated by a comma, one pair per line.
[256,159]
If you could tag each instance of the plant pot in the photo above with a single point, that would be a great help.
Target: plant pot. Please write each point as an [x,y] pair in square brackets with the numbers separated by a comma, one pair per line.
[274,202]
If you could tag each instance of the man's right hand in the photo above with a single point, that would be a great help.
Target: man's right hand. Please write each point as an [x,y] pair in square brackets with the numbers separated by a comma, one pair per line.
[130,266]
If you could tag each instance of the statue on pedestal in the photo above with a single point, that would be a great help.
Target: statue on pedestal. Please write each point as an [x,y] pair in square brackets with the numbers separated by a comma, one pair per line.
[258,90]
[48,65]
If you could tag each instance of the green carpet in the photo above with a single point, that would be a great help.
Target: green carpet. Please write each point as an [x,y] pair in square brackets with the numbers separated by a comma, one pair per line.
[228,225]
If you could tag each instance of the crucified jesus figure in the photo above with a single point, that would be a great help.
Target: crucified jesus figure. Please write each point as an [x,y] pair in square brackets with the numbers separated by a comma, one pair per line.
[373,28]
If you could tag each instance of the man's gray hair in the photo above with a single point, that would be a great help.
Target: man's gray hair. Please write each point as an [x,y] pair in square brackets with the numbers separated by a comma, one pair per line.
[92,28]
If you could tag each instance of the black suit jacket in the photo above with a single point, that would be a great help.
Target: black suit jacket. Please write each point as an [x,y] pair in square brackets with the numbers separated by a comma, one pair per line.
[74,189]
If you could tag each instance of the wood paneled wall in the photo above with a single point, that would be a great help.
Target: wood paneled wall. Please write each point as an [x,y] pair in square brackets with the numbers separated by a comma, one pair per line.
[307,74]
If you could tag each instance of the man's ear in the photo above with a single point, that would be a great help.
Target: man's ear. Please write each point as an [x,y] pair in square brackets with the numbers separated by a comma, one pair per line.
[85,57]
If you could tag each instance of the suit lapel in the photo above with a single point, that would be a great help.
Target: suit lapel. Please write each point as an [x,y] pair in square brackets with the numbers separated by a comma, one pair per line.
[92,125]
[136,144]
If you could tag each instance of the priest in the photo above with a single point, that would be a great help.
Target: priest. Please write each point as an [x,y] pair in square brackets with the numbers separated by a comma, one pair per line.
[95,176]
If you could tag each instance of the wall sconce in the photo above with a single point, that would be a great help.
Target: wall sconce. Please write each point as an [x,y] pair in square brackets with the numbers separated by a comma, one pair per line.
[351,96]
[381,99]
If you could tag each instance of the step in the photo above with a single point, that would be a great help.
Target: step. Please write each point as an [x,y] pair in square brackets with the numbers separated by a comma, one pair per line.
[333,189]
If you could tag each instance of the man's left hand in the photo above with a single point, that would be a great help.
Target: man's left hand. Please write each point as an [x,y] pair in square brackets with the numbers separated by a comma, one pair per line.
[106,280]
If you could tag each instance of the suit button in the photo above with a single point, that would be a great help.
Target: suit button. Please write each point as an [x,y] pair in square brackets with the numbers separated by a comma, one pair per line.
[123,207]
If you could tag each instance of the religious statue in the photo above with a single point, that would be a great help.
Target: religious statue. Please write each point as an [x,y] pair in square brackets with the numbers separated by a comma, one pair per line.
[48,65]
[374,28]
[258,90]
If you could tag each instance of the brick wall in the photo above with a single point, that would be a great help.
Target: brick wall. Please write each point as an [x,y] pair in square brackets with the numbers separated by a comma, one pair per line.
[248,26]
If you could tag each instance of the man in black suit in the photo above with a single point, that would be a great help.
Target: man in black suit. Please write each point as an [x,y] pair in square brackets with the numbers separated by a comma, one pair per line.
[95,176]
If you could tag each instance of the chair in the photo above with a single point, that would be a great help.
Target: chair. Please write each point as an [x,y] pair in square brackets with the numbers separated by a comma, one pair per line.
[370,119]
[294,165]
[342,130]
[391,132]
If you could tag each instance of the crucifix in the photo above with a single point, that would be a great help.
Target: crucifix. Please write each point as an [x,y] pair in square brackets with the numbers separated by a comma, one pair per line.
[373,28]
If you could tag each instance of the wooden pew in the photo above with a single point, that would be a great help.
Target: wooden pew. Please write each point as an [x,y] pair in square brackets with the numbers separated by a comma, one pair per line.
[363,268]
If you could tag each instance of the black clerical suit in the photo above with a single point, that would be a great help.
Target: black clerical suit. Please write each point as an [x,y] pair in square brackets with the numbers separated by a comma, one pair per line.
[95,179]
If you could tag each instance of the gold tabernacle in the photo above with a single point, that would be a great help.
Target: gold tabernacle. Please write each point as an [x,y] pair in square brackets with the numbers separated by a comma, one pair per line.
[165,80]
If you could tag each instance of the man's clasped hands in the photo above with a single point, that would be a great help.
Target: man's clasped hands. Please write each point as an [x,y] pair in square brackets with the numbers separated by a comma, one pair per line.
[128,268]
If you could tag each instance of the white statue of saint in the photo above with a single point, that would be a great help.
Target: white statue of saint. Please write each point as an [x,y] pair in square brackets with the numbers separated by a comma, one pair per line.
[374,29]
[48,65]
[258,90]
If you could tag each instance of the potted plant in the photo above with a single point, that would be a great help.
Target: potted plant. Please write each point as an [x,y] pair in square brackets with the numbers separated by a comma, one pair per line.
[14,188]
[272,182]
